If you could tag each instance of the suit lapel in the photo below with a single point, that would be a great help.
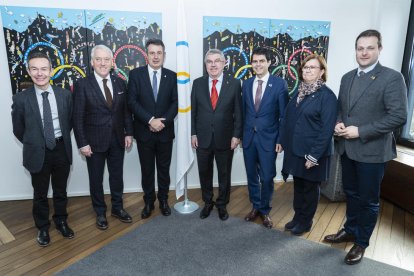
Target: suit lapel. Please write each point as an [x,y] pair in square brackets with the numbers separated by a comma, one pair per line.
[307,100]
[148,84]
[97,90]
[249,95]
[266,93]
[224,87]
[115,90]
[59,103]
[35,106]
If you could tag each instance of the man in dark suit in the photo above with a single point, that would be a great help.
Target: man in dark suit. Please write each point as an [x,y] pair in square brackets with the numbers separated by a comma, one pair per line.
[371,104]
[264,101]
[153,100]
[102,125]
[42,121]
[216,128]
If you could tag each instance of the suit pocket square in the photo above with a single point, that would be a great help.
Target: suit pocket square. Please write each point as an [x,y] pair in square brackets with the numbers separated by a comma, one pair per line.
[120,92]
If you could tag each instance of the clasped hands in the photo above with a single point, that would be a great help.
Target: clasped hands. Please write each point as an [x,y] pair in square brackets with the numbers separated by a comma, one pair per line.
[349,132]
[157,124]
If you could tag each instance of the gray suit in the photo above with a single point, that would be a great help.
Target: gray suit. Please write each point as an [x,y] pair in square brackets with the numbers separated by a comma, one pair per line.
[377,104]
[28,126]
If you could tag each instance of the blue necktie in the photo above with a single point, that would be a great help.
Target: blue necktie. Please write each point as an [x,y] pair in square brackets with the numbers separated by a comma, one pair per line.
[154,85]
[48,123]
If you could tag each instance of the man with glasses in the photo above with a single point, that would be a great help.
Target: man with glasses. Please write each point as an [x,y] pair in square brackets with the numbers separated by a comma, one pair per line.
[264,100]
[42,121]
[153,99]
[372,103]
[216,129]
[103,130]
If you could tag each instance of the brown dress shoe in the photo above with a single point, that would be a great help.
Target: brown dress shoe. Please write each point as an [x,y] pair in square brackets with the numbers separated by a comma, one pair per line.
[339,237]
[252,215]
[267,221]
[354,255]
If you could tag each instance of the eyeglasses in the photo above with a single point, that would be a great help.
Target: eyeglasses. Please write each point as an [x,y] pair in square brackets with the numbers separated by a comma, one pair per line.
[211,62]
[306,68]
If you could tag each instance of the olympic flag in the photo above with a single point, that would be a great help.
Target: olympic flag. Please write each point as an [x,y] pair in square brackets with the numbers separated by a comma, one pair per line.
[185,155]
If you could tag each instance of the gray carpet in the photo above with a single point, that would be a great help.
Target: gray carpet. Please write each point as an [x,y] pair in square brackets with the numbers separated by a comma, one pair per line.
[187,245]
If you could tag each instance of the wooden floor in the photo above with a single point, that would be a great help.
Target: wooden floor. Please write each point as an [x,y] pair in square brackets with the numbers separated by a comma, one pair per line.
[392,241]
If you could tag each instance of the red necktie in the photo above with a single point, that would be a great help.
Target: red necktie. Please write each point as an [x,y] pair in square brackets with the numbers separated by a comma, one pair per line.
[214,95]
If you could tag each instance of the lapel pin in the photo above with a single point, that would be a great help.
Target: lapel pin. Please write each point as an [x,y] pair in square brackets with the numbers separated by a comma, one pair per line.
[165,76]
[270,85]
[373,77]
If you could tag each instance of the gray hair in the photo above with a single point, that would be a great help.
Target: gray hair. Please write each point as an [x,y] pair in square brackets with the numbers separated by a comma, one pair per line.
[101,47]
[213,52]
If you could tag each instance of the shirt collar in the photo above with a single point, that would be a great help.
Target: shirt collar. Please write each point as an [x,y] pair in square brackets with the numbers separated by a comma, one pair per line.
[40,91]
[219,79]
[368,69]
[151,71]
[99,78]
[264,79]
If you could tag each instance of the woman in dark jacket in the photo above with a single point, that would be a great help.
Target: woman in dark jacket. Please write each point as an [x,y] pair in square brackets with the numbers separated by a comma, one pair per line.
[306,138]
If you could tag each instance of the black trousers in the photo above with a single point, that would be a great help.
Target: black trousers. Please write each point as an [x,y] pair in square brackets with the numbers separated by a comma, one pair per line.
[56,166]
[114,157]
[224,160]
[305,199]
[150,153]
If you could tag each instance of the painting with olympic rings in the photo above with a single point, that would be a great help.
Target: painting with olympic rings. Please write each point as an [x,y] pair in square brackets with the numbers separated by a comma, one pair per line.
[67,37]
[289,42]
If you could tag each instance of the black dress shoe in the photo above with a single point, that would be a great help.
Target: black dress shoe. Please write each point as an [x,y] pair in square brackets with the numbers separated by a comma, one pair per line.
[339,237]
[101,222]
[63,228]
[43,238]
[289,226]
[206,210]
[267,221]
[222,212]
[165,209]
[354,255]
[300,229]
[146,212]
[252,215]
[122,215]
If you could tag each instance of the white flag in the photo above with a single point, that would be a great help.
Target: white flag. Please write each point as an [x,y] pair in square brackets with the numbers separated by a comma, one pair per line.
[185,155]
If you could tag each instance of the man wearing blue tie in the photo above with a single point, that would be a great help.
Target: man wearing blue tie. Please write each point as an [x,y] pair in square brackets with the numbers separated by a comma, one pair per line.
[153,100]
[264,101]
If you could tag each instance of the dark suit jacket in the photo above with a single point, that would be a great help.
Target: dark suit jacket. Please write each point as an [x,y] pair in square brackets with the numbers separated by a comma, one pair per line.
[313,124]
[143,106]
[377,110]
[224,122]
[93,120]
[265,122]
[28,126]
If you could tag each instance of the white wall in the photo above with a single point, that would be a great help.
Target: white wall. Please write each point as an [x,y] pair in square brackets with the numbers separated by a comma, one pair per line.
[348,19]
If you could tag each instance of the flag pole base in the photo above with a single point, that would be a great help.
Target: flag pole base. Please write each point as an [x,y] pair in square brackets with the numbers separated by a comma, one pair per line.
[186,207]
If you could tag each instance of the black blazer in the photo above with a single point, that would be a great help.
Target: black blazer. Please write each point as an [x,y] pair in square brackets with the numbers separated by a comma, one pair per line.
[143,106]
[28,126]
[93,120]
[224,122]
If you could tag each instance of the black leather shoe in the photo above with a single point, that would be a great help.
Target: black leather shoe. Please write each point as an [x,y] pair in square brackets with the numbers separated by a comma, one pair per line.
[206,210]
[354,255]
[146,212]
[43,238]
[101,222]
[222,212]
[290,225]
[252,215]
[339,237]
[63,228]
[267,221]
[300,229]
[122,215]
[165,209]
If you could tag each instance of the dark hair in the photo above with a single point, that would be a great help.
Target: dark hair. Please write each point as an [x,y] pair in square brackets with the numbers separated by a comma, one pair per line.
[262,51]
[369,33]
[34,55]
[322,65]
[155,41]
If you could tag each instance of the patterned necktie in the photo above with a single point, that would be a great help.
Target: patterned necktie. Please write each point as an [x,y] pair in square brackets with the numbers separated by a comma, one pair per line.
[108,95]
[258,97]
[214,95]
[48,128]
[155,85]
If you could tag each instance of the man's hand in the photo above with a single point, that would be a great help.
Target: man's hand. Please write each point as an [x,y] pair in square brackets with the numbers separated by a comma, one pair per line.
[194,142]
[309,164]
[157,124]
[86,151]
[234,143]
[350,132]
[279,148]
[128,142]
[339,127]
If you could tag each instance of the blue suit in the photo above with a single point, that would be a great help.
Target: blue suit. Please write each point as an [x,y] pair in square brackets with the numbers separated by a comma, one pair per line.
[260,136]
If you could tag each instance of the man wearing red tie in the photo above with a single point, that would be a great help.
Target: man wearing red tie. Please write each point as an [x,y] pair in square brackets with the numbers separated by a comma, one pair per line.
[216,128]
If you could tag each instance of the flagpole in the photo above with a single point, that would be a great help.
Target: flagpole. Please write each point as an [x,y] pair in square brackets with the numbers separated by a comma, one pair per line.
[186,206]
